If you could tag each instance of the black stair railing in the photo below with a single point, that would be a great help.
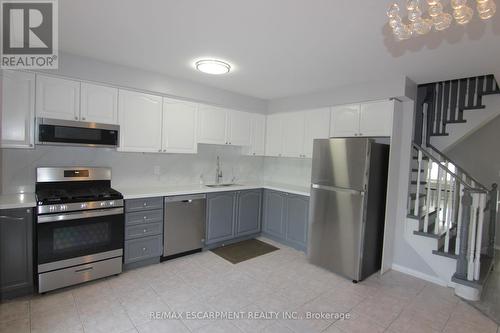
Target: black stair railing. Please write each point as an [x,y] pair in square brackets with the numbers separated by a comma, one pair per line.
[443,103]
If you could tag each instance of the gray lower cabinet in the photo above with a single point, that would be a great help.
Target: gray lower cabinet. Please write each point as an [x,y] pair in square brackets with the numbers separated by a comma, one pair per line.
[297,217]
[143,248]
[286,218]
[220,217]
[248,212]
[143,231]
[274,213]
[233,214]
[16,252]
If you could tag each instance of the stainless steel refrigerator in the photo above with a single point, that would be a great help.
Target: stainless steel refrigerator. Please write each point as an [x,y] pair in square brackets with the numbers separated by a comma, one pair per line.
[347,205]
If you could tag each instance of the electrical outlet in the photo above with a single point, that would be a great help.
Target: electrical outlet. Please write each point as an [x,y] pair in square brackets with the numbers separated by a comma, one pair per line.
[156,170]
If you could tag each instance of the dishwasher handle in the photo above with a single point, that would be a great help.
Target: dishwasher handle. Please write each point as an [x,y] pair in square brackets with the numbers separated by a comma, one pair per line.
[185,198]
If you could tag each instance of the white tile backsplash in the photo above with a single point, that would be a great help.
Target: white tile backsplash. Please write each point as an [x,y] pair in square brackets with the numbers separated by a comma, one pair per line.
[293,171]
[131,169]
[141,169]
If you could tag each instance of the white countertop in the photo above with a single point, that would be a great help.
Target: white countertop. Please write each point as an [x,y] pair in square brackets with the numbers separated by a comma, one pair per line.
[27,200]
[17,200]
[166,191]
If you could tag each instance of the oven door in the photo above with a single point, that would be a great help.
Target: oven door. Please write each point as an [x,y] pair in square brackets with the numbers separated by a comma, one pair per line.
[76,133]
[78,237]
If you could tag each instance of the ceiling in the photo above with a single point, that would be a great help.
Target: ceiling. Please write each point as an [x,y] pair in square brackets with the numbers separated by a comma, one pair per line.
[279,48]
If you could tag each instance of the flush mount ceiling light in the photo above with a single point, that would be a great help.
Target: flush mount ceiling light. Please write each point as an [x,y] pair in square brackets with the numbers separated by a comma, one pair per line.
[418,24]
[212,66]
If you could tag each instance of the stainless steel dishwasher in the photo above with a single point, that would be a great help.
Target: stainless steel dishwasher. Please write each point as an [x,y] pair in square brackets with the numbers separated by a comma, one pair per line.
[184,224]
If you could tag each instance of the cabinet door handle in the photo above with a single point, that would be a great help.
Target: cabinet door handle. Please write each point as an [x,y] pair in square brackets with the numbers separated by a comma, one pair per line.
[144,249]
[11,218]
[76,118]
[83,118]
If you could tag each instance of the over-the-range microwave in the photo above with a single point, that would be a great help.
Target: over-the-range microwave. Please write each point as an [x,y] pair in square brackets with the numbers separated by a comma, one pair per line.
[76,133]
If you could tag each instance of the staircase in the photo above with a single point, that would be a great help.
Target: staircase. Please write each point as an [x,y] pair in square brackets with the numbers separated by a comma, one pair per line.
[448,207]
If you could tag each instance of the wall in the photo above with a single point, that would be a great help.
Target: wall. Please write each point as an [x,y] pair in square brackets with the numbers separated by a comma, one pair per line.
[400,87]
[93,70]
[479,155]
[130,169]
[400,253]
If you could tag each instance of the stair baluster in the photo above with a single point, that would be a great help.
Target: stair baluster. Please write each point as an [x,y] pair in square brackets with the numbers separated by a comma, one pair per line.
[428,196]
[479,235]
[449,216]
[438,197]
[472,238]
[417,196]
[460,216]
[462,260]
[493,218]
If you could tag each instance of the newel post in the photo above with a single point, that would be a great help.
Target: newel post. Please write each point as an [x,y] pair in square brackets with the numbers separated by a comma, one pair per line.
[464,236]
[493,220]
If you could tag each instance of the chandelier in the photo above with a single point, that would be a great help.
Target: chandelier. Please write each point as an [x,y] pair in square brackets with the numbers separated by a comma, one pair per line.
[417,24]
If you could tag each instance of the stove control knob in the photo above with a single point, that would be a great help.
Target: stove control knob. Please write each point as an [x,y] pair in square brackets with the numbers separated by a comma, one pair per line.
[111,203]
[103,204]
[62,207]
[83,206]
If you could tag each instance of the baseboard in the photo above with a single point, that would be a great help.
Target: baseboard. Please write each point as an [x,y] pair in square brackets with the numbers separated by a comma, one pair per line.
[497,247]
[420,275]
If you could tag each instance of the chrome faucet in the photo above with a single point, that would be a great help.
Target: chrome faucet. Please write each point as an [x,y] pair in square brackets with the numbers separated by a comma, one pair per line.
[218,172]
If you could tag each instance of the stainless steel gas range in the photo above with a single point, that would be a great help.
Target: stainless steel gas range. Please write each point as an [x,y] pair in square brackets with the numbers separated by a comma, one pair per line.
[79,226]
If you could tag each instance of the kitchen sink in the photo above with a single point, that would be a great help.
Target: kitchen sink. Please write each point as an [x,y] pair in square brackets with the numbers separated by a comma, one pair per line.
[222,185]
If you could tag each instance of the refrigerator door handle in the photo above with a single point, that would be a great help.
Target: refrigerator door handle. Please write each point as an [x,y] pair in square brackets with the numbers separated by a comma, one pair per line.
[336,189]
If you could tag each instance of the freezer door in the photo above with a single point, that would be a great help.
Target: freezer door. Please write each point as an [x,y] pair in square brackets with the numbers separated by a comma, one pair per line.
[341,162]
[335,229]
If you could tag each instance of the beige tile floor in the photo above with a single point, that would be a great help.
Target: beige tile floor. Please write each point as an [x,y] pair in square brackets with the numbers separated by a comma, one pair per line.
[279,281]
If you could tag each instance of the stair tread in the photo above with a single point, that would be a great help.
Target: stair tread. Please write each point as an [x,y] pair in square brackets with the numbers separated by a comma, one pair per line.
[430,231]
[422,213]
[439,134]
[413,196]
[486,268]
[476,107]
[414,182]
[416,170]
[491,92]
[451,248]
[458,121]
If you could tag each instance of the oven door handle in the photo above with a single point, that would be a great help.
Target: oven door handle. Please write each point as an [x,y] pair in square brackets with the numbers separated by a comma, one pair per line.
[79,215]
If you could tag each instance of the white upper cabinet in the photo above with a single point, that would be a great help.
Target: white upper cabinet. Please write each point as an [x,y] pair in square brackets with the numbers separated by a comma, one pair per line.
[57,98]
[258,136]
[345,121]
[220,126]
[179,127]
[293,134]
[140,119]
[239,128]
[18,109]
[316,126]
[376,118]
[99,104]
[274,134]
[212,125]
